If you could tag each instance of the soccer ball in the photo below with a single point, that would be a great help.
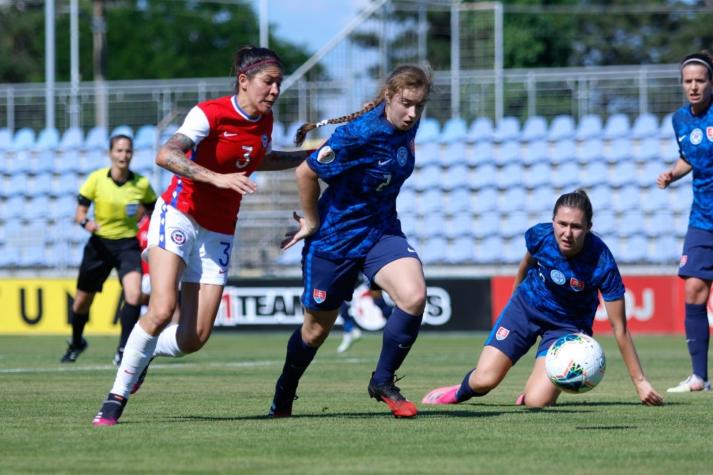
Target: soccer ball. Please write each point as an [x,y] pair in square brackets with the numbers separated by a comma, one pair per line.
[575,363]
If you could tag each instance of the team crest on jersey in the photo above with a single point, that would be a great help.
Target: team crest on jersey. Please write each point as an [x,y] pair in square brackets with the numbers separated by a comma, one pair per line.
[576,284]
[402,156]
[178,236]
[319,296]
[325,155]
[557,277]
[684,259]
[709,134]
[502,333]
[696,136]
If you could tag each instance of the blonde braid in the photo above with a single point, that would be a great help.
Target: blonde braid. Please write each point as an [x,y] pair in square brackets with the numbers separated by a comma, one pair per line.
[307,126]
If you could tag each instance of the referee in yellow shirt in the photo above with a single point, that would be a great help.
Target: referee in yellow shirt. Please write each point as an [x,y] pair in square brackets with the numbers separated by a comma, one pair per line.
[120,198]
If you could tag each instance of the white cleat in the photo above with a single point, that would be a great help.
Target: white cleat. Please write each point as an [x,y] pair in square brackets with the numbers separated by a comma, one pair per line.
[691,384]
[348,339]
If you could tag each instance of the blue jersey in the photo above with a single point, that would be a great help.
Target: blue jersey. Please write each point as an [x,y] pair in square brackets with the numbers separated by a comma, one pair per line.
[371,159]
[695,143]
[565,289]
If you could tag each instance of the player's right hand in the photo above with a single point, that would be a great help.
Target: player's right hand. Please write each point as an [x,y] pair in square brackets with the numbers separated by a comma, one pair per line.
[648,395]
[303,230]
[664,179]
[237,182]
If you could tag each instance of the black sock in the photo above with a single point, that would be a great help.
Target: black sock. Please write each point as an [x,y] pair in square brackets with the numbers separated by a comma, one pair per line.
[299,356]
[79,320]
[129,315]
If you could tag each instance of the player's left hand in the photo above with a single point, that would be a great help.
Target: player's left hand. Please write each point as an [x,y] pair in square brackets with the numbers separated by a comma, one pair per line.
[303,230]
[648,395]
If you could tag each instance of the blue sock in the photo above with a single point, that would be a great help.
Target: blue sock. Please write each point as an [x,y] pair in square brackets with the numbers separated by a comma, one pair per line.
[697,338]
[464,392]
[400,334]
[346,316]
[385,308]
[299,356]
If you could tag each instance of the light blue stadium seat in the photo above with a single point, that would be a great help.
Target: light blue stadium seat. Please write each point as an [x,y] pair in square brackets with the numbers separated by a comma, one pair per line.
[461,251]
[666,127]
[430,201]
[637,250]
[535,128]
[279,139]
[32,256]
[12,208]
[432,224]
[627,198]
[122,130]
[648,174]
[428,153]
[535,152]
[561,128]
[20,164]
[484,176]
[48,139]
[589,151]
[508,152]
[540,200]
[512,199]
[406,201]
[428,177]
[514,224]
[682,196]
[617,126]
[143,161]
[659,223]
[481,130]
[594,173]
[24,139]
[631,223]
[17,186]
[619,150]
[483,152]
[454,154]
[454,130]
[460,225]
[487,225]
[167,132]
[291,256]
[590,127]
[457,176]
[146,137]
[97,139]
[566,175]
[513,249]
[666,250]
[648,149]
[537,176]
[67,163]
[669,150]
[507,129]
[509,175]
[601,197]
[433,250]
[90,161]
[40,185]
[564,151]
[604,223]
[428,131]
[72,140]
[489,251]
[37,208]
[5,139]
[645,126]
[63,208]
[459,200]
[624,174]
[409,223]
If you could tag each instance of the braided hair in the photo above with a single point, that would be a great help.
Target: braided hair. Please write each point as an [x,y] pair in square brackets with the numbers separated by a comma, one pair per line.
[407,76]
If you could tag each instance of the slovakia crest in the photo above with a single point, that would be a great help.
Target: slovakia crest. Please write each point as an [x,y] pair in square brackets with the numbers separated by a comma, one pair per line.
[502,333]
[402,156]
[576,284]
[319,296]
[696,136]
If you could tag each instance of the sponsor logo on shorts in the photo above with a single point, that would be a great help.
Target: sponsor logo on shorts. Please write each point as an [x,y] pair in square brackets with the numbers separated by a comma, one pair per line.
[576,284]
[402,156]
[319,296]
[557,277]
[178,236]
[696,136]
[502,333]
[684,259]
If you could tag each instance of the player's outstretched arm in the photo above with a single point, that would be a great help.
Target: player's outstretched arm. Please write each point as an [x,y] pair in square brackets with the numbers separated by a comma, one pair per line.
[680,169]
[309,190]
[617,318]
[279,160]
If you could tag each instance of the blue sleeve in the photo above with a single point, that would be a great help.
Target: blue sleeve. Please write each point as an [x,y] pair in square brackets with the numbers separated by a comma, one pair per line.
[534,237]
[612,287]
[676,124]
[345,144]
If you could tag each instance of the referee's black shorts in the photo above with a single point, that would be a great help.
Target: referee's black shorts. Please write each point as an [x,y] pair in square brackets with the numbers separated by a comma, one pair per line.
[102,255]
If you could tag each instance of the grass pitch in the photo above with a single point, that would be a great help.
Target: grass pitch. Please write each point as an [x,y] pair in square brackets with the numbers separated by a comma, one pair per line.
[205,413]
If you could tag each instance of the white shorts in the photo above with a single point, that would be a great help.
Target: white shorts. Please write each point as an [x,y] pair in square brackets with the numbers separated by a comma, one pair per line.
[206,253]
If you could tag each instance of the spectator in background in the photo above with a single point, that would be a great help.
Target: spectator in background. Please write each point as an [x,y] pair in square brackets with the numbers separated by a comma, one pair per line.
[556,293]
[120,197]
[220,144]
[353,227]
[693,125]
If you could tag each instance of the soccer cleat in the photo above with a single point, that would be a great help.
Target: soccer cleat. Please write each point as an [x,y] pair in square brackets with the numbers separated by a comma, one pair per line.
[444,395]
[691,384]
[73,352]
[348,339]
[110,411]
[137,385]
[282,401]
[391,395]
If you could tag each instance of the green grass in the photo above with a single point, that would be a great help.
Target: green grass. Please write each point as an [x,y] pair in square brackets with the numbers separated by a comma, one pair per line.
[205,413]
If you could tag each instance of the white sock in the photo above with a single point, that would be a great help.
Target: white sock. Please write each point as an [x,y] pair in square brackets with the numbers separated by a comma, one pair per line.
[138,352]
[168,342]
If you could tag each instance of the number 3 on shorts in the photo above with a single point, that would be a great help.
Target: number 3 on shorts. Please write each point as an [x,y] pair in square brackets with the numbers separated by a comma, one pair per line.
[226,252]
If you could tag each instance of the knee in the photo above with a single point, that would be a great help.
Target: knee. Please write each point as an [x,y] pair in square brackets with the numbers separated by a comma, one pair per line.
[314,335]
[696,291]
[414,301]
[191,344]
[160,312]
[132,297]
[483,382]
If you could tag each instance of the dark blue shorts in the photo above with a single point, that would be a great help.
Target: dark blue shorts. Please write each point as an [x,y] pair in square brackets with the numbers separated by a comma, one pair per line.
[697,258]
[519,325]
[329,282]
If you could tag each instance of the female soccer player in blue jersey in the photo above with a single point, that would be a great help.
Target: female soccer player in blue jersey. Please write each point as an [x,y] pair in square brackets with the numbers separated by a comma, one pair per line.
[353,228]
[556,293]
[693,125]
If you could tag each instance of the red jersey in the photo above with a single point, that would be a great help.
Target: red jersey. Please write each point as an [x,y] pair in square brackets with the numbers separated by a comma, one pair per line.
[143,237]
[227,141]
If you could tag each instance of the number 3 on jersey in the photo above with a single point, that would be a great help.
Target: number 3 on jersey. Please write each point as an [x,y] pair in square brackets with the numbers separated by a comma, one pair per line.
[385,183]
[245,159]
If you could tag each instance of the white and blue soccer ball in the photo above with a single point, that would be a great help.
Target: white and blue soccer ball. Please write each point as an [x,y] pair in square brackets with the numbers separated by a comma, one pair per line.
[575,363]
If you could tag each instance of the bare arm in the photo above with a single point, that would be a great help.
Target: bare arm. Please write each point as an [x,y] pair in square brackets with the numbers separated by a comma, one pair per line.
[278,160]
[82,214]
[680,169]
[172,157]
[526,262]
[617,317]
[309,190]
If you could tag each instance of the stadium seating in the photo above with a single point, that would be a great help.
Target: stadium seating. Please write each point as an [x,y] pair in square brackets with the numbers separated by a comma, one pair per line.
[590,127]
[617,127]
[645,126]
[562,128]
[48,139]
[481,130]
[97,139]
[24,139]
[535,128]
[454,131]
[508,129]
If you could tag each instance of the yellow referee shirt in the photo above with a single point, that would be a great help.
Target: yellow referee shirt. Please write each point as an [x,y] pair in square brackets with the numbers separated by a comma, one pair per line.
[116,206]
